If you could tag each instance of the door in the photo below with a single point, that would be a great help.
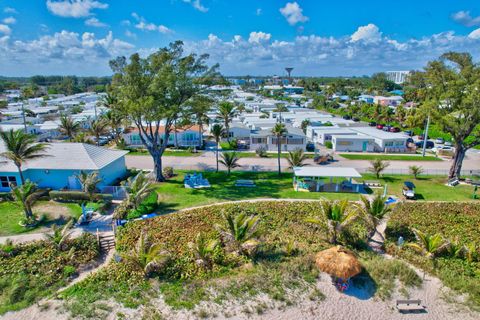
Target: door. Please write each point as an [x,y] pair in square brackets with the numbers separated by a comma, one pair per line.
[365,145]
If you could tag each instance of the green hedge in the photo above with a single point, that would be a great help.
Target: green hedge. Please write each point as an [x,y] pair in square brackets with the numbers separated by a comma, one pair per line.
[78,196]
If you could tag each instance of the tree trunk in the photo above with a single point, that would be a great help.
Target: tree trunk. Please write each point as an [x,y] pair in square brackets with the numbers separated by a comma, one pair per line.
[200,134]
[176,136]
[227,131]
[216,155]
[458,157]
[279,145]
[157,165]
[22,179]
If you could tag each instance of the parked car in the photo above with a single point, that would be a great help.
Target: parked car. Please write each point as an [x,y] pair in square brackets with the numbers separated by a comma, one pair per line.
[448,144]
[379,126]
[386,128]
[372,123]
[408,132]
[356,119]
[421,137]
[440,141]
[310,147]
[430,144]
[410,140]
[408,190]
[394,129]
[347,117]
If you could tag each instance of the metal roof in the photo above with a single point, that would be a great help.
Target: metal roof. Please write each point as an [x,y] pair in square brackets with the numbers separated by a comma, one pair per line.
[67,156]
[326,172]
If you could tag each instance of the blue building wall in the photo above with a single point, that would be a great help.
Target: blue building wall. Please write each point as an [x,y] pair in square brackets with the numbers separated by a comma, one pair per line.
[59,179]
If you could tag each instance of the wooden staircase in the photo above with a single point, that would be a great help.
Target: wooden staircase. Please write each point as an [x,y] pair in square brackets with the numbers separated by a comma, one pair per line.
[106,241]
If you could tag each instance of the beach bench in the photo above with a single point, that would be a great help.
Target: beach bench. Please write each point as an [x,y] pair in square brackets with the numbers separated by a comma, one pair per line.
[410,306]
[245,183]
[372,183]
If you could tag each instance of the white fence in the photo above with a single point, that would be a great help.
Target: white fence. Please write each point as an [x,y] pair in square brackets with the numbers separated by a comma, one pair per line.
[118,192]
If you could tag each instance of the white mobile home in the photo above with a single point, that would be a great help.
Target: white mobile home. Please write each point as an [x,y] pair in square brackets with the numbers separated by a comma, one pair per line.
[353,143]
[294,139]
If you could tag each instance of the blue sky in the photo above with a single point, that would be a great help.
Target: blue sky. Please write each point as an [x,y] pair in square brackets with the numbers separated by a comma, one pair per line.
[245,37]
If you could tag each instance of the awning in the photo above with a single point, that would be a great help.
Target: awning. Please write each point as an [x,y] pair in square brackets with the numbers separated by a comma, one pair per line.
[326,172]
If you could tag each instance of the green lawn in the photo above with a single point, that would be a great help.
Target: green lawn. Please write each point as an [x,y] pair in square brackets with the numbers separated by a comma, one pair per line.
[173,195]
[167,153]
[54,212]
[393,157]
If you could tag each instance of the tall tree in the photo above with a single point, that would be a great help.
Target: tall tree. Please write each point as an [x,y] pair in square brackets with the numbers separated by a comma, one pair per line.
[156,90]
[68,127]
[217,132]
[226,112]
[21,147]
[451,86]
[279,131]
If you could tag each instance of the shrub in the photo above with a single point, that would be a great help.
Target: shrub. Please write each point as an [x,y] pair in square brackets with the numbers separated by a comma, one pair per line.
[232,145]
[149,205]
[329,144]
[168,172]
[69,271]
[261,152]
[78,196]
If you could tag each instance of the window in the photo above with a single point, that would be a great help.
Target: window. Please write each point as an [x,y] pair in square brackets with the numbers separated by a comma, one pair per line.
[6,181]
[259,140]
[295,141]
[344,143]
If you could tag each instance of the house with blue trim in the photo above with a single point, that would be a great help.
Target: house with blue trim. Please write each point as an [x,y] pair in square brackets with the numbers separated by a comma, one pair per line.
[64,161]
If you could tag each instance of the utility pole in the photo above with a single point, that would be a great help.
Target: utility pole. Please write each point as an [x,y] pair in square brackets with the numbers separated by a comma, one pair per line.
[425,136]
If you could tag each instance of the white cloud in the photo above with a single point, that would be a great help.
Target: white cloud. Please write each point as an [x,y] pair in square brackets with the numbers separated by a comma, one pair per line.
[5,29]
[197,5]
[9,10]
[94,22]
[464,18]
[142,24]
[369,33]
[9,20]
[259,37]
[130,34]
[293,13]
[475,34]
[74,8]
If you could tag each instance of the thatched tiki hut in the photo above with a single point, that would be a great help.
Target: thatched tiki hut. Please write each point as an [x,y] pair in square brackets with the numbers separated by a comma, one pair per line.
[340,263]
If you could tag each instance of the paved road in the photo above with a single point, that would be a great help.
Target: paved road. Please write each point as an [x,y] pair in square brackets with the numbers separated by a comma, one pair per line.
[207,161]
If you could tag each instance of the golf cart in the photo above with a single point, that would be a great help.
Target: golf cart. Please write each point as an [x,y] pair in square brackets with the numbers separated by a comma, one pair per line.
[408,190]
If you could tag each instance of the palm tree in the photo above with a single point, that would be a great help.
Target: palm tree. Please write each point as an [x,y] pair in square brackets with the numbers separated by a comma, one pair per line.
[89,182]
[68,127]
[378,166]
[21,147]
[296,158]
[60,235]
[139,187]
[203,250]
[217,132]
[230,161]
[279,131]
[428,245]
[280,107]
[114,121]
[376,208]
[226,112]
[338,215]
[98,128]
[82,137]
[25,197]
[304,125]
[240,232]
[148,256]
[415,171]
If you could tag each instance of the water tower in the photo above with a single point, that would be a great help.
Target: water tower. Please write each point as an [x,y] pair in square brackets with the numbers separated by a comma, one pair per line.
[289,71]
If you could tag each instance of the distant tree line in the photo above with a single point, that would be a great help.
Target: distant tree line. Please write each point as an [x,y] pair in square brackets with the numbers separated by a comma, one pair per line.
[57,84]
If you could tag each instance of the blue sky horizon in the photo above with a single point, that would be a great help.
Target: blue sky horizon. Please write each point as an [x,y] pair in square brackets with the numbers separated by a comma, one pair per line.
[317,38]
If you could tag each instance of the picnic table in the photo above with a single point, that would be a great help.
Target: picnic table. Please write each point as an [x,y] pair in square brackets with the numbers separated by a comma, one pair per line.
[372,183]
[245,183]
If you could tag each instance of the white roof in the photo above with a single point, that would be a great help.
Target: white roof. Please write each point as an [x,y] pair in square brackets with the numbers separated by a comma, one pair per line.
[67,156]
[326,172]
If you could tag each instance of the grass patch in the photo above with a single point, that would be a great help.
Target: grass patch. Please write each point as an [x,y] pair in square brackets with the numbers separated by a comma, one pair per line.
[166,153]
[53,212]
[29,272]
[388,157]
[453,221]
